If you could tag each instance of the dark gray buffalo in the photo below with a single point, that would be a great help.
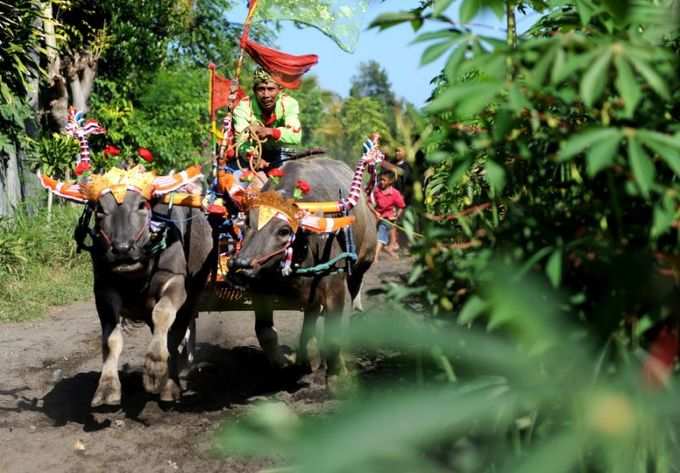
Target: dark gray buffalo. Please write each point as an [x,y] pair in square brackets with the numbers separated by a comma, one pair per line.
[258,264]
[148,278]
[143,271]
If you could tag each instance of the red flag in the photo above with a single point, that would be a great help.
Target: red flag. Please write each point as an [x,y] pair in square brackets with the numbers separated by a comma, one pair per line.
[286,69]
[220,92]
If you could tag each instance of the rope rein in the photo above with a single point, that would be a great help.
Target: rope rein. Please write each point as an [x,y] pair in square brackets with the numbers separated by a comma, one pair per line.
[327,266]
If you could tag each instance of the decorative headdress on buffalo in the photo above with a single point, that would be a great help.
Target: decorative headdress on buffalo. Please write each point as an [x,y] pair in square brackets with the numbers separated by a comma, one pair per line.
[271,204]
[119,181]
[116,181]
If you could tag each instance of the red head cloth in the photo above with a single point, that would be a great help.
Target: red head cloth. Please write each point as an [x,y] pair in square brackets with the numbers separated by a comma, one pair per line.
[286,69]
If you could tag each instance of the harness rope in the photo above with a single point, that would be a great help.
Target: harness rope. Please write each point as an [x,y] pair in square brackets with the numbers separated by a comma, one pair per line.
[263,259]
[327,266]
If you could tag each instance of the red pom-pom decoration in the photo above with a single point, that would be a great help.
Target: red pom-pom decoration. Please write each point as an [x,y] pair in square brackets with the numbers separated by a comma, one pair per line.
[82,167]
[276,172]
[303,186]
[110,150]
[145,154]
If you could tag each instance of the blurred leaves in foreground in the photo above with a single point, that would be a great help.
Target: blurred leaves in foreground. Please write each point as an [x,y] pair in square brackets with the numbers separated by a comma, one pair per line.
[532,395]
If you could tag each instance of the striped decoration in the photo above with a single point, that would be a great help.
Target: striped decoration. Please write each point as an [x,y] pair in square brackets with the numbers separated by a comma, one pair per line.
[372,157]
[79,129]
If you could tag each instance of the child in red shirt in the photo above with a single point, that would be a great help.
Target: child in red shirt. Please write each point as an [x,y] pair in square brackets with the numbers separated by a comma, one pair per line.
[389,205]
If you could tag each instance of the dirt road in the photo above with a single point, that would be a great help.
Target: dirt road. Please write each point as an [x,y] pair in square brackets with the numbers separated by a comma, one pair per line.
[49,371]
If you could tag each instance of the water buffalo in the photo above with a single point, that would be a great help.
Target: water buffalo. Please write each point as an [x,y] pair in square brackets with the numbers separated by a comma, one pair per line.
[149,276]
[258,264]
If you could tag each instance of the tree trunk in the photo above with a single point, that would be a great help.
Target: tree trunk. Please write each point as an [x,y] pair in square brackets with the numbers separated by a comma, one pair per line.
[81,70]
[10,183]
[30,186]
[58,93]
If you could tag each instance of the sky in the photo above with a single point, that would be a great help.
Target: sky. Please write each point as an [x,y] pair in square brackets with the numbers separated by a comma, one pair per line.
[392,48]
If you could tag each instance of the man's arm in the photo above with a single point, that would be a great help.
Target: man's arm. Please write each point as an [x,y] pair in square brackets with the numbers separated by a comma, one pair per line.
[243,118]
[399,203]
[291,132]
[391,167]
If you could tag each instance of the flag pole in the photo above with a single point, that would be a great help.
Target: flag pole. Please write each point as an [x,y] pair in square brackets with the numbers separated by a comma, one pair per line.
[244,37]
[211,111]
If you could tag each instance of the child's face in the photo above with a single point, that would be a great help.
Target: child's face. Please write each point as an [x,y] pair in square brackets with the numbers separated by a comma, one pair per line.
[384,182]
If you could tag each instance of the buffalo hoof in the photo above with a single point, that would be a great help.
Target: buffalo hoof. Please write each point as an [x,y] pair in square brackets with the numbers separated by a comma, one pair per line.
[155,368]
[170,392]
[108,393]
[341,385]
[303,367]
[278,359]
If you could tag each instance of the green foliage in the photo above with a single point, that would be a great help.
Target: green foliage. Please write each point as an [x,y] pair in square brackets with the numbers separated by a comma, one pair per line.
[505,410]
[138,36]
[56,155]
[313,102]
[551,196]
[371,81]
[169,117]
[19,61]
[363,116]
[39,267]
[206,37]
[565,168]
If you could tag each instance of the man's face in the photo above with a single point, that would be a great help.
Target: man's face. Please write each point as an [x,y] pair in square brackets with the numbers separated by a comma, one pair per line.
[265,93]
[399,154]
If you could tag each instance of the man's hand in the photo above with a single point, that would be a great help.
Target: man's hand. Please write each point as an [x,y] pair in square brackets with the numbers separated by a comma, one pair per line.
[262,132]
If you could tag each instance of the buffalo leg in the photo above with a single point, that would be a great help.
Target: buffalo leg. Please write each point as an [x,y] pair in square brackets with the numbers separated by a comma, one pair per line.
[109,390]
[334,307]
[171,391]
[306,335]
[267,335]
[354,284]
[163,315]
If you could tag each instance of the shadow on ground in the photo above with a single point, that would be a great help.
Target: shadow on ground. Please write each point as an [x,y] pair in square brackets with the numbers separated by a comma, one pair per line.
[218,379]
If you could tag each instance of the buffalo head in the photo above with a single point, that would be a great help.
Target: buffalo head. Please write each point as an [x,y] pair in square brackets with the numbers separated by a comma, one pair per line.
[268,234]
[122,200]
[123,230]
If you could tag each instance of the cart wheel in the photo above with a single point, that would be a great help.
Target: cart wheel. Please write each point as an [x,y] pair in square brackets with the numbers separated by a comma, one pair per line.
[188,346]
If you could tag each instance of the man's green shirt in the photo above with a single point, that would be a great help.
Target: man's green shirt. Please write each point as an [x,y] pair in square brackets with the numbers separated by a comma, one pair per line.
[285,121]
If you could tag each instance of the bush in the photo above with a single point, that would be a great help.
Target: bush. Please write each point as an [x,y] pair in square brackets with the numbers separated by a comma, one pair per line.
[168,116]
[39,267]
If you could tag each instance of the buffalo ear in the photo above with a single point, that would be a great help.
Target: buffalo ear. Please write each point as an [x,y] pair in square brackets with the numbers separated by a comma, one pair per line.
[68,191]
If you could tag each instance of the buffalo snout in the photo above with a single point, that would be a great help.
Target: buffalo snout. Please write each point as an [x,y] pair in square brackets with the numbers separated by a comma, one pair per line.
[121,248]
[238,263]
[241,270]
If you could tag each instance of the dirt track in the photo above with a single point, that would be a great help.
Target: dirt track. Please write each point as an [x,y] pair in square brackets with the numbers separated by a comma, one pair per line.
[49,371]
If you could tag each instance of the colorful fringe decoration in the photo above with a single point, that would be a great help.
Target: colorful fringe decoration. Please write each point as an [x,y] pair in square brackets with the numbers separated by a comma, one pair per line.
[287,268]
[79,130]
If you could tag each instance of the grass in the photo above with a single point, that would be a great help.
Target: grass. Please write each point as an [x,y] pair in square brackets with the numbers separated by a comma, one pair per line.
[39,267]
